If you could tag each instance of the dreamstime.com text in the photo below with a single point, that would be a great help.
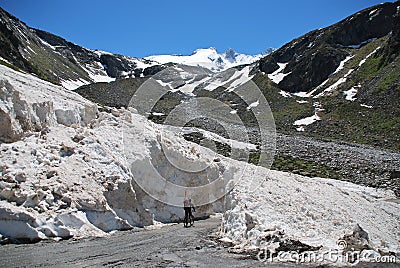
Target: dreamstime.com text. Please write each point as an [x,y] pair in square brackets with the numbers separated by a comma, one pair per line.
[335,256]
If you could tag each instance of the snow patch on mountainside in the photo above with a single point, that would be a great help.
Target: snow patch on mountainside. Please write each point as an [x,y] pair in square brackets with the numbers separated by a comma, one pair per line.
[278,75]
[231,79]
[351,94]
[183,78]
[335,85]
[307,121]
[369,55]
[188,79]
[302,123]
[215,137]
[342,63]
[74,84]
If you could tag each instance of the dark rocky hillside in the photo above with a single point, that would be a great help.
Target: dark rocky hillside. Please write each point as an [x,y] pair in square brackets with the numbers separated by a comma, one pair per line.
[313,57]
[21,49]
[55,59]
[113,94]
[359,54]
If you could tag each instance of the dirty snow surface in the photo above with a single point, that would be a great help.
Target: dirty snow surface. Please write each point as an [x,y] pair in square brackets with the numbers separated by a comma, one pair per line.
[64,173]
[317,212]
[63,169]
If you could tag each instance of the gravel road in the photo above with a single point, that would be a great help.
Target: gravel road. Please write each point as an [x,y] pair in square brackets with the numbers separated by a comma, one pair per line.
[169,246]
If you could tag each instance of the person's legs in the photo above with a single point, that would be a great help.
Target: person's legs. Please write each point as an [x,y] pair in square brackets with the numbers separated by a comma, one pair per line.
[187,213]
[191,217]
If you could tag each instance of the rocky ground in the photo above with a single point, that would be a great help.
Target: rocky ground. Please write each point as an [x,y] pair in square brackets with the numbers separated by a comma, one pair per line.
[355,163]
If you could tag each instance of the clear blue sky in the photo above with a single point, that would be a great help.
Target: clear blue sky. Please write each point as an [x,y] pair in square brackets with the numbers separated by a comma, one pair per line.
[147,27]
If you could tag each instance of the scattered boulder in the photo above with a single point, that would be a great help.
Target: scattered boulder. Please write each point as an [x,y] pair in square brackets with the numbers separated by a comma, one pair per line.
[356,241]
[66,150]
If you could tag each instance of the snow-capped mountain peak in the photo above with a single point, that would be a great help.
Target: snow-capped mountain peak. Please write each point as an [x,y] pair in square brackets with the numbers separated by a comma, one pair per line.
[209,58]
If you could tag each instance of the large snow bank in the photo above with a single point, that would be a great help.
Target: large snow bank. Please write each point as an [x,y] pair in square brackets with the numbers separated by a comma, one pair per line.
[65,173]
[28,103]
[314,211]
[75,181]
[70,181]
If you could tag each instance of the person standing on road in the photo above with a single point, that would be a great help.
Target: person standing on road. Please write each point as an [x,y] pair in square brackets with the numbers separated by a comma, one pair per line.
[188,206]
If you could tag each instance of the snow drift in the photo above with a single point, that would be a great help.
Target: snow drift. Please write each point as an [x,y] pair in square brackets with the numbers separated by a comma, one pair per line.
[316,213]
[28,104]
[65,174]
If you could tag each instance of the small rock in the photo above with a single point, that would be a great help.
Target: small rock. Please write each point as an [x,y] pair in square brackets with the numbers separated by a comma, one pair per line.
[44,131]
[115,112]
[9,179]
[20,177]
[358,240]
[51,173]
[33,152]
[66,150]
[78,137]
[250,221]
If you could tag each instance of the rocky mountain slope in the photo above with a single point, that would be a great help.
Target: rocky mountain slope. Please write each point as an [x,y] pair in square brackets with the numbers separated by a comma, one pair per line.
[348,74]
[54,59]
[309,60]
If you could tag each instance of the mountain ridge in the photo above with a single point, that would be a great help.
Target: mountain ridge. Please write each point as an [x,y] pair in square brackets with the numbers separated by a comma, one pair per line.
[324,49]
[62,62]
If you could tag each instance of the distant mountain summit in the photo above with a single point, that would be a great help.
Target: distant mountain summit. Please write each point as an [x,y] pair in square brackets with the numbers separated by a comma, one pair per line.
[210,58]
